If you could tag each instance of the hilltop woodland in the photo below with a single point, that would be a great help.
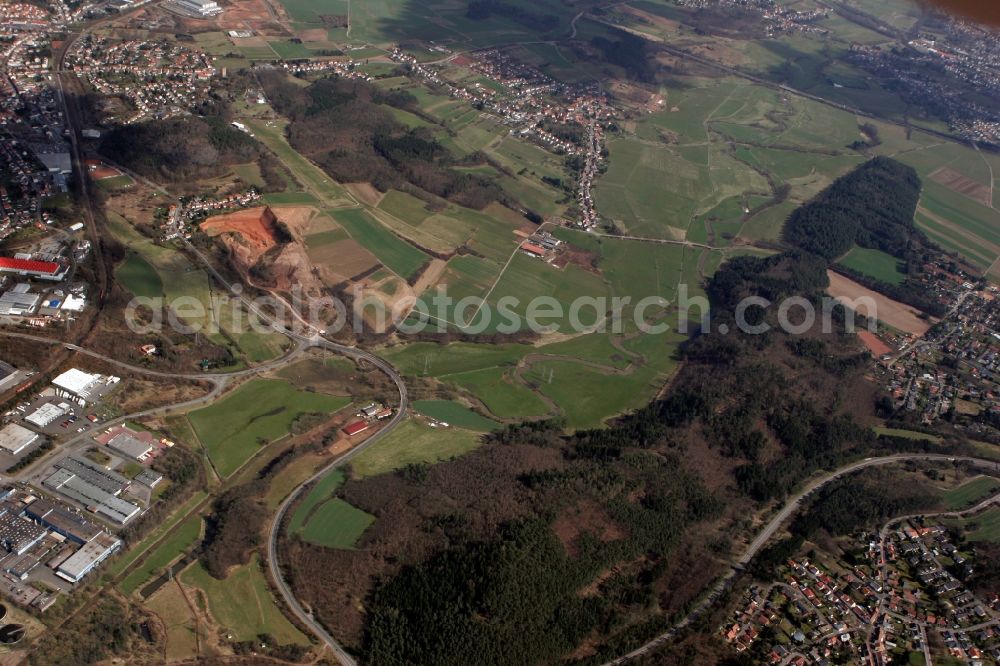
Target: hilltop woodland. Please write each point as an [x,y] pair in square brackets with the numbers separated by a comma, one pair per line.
[346,127]
[541,546]
[179,150]
[871,207]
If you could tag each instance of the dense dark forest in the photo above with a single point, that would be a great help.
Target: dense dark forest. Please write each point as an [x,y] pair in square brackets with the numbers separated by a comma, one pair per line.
[627,51]
[347,128]
[872,206]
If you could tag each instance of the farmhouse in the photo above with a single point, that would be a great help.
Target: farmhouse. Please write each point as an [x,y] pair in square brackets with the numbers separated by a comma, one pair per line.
[15,438]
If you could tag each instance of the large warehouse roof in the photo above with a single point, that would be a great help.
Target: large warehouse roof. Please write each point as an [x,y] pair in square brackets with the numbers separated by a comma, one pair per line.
[29,266]
[14,438]
[76,382]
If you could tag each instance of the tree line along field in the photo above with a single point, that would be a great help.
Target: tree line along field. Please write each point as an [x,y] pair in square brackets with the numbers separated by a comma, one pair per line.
[183,538]
[586,380]
[257,413]
[983,527]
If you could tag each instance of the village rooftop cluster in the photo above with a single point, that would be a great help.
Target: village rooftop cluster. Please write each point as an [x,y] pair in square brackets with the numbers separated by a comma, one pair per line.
[156,78]
[897,592]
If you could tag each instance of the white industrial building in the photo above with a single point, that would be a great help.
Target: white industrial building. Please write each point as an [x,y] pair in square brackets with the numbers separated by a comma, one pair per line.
[92,553]
[202,7]
[19,301]
[46,414]
[15,438]
[82,387]
[131,446]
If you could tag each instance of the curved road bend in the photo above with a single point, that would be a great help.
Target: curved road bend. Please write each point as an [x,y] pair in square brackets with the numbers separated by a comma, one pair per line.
[315,340]
[790,507]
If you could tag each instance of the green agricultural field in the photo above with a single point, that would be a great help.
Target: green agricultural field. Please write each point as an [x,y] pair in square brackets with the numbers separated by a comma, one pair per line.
[526,278]
[171,549]
[391,250]
[249,174]
[441,21]
[289,50]
[290,198]
[404,206]
[968,494]
[319,493]
[312,11]
[258,412]
[428,358]
[336,524]
[875,264]
[242,603]
[258,52]
[501,393]
[322,238]
[767,224]
[907,434]
[982,527]
[455,414]
[410,443]
[261,347]
[138,276]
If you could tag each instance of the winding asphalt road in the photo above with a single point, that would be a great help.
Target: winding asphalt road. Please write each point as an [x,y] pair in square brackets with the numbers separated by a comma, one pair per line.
[314,339]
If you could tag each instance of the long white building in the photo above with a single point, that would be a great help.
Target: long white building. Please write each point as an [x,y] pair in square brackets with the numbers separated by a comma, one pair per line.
[203,7]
